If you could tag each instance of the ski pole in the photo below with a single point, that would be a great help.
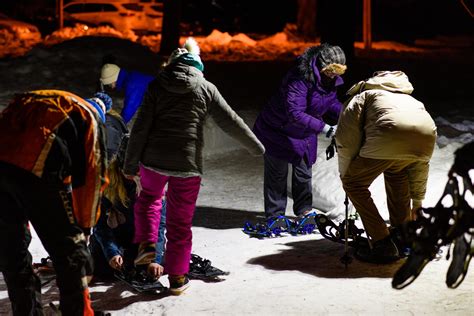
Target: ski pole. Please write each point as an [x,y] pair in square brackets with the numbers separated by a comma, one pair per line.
[346,259]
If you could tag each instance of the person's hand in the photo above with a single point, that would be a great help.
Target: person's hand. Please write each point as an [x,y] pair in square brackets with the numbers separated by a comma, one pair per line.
[415,207]
[329,130]
[155,270]
[116,262]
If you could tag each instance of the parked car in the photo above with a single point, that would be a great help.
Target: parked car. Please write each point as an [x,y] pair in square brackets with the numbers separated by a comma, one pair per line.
[121,15]
[21,30]
[154,12]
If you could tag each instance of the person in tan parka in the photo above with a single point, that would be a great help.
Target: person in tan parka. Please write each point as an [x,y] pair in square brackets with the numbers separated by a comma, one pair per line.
[383,129]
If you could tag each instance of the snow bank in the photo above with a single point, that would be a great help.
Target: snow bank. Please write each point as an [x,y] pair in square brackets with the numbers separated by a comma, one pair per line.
[220,45]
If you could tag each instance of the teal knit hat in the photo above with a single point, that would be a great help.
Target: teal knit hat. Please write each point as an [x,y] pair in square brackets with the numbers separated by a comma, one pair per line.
[192,60]
[188,55]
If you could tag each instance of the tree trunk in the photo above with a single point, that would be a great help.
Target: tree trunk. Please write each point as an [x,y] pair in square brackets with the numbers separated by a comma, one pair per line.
[337,21]
[171,27]
[306,19]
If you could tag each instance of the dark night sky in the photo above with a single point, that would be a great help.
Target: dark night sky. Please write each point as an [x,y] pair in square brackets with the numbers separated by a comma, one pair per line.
[392,20]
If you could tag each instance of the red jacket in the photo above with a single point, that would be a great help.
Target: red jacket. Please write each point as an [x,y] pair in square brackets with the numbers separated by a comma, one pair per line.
[32,123]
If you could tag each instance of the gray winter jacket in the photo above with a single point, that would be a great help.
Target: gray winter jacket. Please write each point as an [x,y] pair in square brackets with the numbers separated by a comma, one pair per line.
[168,132]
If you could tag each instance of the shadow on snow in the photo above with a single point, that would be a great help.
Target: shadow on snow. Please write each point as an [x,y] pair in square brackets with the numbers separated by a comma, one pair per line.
[321,258]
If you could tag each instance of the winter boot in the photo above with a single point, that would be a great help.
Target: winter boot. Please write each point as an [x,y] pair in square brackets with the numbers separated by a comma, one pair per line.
[383,251]
[178,284]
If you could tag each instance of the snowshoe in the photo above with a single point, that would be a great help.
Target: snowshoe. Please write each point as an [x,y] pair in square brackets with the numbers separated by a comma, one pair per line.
[139,280]
[336,233]
[462,254]
[410,270]
[425,248]
[304,224]
[202,269]
[273,227]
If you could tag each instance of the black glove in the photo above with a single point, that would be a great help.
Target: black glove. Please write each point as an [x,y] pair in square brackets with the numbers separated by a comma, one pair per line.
[331,150]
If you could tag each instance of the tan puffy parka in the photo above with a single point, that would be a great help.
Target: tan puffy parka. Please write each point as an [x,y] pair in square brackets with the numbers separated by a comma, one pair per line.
[382,121]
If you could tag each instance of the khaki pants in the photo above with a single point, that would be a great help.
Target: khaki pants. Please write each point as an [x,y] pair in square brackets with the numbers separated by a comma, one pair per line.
[356,182]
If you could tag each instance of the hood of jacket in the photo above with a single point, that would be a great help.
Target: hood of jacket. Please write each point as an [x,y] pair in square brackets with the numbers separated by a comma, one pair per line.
[307,66]
[180,78]
[393,81]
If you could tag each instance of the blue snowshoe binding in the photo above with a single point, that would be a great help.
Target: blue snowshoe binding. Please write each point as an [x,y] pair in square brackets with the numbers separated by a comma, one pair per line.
[273,227]
[304,225]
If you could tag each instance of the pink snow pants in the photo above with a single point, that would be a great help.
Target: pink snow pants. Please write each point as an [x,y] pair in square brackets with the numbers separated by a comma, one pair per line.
[180,205]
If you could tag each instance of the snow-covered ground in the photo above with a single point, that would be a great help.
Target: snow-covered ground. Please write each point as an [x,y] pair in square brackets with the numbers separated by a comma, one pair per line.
[280,276]
[288,275]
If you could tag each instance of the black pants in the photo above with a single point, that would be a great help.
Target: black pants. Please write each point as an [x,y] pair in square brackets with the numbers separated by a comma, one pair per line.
[48,206]
[275,186]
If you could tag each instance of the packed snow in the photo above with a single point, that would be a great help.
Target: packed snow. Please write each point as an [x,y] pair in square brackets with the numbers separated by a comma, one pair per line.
[279,276]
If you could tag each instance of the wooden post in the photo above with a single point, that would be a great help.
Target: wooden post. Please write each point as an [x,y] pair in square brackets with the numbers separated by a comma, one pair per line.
[367,24]
[60,13]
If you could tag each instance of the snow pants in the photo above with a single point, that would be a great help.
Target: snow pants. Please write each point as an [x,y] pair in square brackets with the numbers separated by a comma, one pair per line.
[356,182]
[180,205]
[48,206]
[275,186]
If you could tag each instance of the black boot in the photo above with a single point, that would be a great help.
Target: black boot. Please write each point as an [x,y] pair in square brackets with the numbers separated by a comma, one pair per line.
[383,251]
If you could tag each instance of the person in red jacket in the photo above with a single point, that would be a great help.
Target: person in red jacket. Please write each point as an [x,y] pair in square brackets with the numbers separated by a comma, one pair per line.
[52,173]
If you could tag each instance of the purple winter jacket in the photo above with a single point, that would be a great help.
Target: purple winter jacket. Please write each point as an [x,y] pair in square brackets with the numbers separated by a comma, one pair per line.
[289,123]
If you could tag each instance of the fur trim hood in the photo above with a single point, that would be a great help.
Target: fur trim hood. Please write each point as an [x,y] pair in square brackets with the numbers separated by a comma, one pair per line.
[310,62]
[306,62]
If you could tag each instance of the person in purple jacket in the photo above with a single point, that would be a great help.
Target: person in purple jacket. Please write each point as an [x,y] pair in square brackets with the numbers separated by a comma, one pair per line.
[290,122]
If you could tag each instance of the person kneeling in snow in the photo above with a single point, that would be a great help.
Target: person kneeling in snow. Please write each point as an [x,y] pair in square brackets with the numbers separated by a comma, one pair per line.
[52,173]
[384,130]
[165,148]
[111,243]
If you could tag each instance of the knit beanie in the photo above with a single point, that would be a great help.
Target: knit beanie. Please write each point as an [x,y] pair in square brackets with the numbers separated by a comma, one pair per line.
[106,99]
[188,55]
[109,74]
[99,107]
[329,54]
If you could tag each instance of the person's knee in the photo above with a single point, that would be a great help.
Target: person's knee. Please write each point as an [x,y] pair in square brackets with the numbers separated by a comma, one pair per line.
[348,185]
[73,256]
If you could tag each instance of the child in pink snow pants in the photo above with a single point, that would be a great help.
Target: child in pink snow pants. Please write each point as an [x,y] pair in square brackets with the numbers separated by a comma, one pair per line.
[181,202]
[165,149]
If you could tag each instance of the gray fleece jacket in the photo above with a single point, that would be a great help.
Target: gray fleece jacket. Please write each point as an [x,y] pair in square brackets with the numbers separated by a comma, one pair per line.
[168,132]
